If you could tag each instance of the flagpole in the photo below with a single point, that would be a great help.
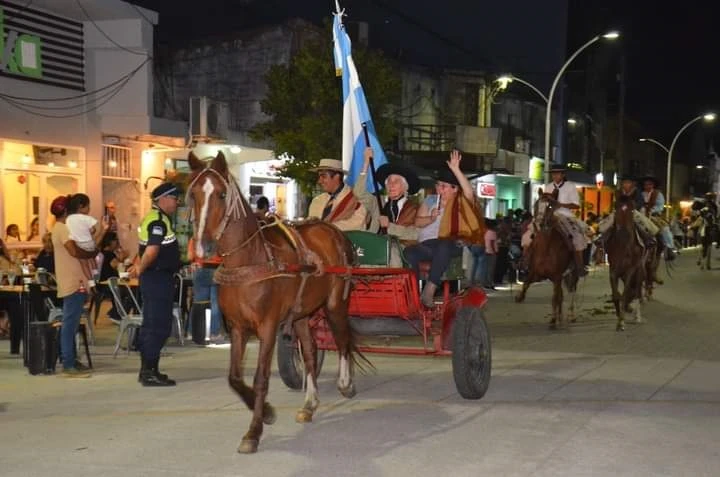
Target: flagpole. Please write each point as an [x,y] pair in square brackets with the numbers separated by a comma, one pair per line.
[383,230]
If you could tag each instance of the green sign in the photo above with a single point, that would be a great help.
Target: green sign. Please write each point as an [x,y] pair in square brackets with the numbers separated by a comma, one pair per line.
[19,52]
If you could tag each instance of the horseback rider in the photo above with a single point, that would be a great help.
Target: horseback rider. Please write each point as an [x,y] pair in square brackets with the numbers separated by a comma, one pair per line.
[565,192]
[397,216]
[647,228]
[653,207]
[711,204]
[337,204]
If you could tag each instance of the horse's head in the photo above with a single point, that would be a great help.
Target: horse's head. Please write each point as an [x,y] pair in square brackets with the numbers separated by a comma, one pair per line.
[214,197]
[544,208]
[624,208]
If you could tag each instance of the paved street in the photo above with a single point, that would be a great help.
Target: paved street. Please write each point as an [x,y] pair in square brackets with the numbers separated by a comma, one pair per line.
[583,402]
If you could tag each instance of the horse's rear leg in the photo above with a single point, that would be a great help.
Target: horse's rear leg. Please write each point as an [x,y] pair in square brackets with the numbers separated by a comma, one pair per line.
[262,411]
[337,314]
[307,345]
[620,326]
[571,285]
[557,319]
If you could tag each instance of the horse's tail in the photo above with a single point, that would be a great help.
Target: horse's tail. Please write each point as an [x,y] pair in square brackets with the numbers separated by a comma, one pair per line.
[357,358]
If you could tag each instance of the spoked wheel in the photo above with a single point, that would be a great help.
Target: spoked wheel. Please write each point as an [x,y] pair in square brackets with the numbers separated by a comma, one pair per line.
[471,353]
[290,362]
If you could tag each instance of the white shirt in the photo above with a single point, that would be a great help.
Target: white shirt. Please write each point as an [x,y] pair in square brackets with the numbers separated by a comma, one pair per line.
[567,194]
[80,227]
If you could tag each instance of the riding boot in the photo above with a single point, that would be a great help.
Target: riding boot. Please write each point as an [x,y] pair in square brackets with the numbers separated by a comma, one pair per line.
[428,294]
[580,263]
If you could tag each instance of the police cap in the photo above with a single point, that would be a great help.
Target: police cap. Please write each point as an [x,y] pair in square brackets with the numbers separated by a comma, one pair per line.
[164,189]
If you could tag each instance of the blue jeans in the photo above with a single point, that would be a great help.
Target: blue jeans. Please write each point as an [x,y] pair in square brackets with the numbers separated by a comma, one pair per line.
[205,290]
[72,310]
[478,266]
[437,251]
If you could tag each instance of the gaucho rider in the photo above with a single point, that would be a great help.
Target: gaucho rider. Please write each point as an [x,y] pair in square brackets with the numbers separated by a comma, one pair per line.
[337,205]
[647,227]
[565,192]
[397,216]
[653,207]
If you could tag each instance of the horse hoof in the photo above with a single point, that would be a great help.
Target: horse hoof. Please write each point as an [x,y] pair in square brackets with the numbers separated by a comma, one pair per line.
[620,328]
[552,326]
[248,446]
[303,416]
[269,416]
[348,392]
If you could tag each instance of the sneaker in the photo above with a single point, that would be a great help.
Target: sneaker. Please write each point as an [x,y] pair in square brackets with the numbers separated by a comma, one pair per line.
[74,373]
[81,367]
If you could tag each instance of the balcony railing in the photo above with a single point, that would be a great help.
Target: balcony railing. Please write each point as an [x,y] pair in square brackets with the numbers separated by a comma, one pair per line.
[116,162]
[427,137]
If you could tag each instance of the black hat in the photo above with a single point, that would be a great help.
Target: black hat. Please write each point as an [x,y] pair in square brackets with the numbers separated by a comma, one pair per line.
[557,168]
[410,175]
[446,175]
[652,179]
[626,177]
[166,188]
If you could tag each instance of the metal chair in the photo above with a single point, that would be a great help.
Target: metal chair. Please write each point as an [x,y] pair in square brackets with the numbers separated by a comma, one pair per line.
[178,309]
[129,322]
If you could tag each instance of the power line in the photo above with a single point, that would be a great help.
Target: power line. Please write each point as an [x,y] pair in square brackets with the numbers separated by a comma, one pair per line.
[107,37]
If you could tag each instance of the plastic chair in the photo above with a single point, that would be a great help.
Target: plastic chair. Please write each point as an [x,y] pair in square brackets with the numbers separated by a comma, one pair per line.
[178,309]
[129,322]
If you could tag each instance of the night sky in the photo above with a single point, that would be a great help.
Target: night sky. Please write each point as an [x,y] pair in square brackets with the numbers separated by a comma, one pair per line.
[671,49]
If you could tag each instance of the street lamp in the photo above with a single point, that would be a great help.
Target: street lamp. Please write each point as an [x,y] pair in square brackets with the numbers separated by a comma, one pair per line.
[611,35]
[657,143]
[505,80]
[707,117]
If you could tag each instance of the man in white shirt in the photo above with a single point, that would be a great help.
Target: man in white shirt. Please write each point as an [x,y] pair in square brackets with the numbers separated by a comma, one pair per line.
[566,194]
[337,204]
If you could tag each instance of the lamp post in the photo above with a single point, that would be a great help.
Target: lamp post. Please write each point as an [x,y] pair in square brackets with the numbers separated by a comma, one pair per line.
[657,143]
[505,80]
[708,117]
[607,36]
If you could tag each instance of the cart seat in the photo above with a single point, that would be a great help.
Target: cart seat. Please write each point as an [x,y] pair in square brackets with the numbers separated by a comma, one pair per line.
[454,271]
[373,250]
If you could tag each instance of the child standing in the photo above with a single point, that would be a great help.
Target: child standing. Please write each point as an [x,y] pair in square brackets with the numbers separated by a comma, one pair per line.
[85,232]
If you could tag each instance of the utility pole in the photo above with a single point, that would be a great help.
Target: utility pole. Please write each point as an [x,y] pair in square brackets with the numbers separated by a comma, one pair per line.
[620,166]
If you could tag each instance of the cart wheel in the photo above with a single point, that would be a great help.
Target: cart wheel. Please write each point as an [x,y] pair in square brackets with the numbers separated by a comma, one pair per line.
[471,353]
[291,365]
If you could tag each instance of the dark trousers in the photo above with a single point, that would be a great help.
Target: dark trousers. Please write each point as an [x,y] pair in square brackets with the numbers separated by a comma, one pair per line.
[158,292]
[501,264]
[13,308]
[437,251]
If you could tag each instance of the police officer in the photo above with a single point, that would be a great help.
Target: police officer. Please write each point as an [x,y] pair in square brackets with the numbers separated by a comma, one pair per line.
[159,260]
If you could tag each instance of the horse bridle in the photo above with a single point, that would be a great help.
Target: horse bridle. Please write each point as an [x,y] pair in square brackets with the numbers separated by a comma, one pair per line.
[233,202]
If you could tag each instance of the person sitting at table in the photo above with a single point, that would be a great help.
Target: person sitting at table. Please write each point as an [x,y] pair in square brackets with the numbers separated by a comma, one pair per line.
[112,257]
[46,257]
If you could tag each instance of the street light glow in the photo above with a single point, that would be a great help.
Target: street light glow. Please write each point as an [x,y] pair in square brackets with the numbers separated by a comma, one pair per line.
[642,139]
[611,35]
[699,166]
[572,121]
[709,116]
[504,80]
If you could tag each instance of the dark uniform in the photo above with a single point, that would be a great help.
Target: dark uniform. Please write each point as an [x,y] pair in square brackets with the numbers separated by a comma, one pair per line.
[157,287]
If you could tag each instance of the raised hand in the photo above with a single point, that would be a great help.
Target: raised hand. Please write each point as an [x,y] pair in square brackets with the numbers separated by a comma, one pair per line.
[454,162]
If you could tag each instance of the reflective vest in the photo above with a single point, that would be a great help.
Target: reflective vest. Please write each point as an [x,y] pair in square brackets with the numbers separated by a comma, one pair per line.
[153,216]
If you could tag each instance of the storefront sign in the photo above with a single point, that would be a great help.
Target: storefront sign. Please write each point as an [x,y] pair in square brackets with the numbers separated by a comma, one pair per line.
[487,189]
[38,46]
[536,169]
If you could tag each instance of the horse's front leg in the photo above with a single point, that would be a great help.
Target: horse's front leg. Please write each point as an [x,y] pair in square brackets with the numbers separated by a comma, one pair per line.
[266,336]
[620,326]
[307,346]
[556,305]
[523,291]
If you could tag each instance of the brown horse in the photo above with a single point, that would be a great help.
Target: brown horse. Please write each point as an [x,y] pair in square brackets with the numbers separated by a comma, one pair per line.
[271,274]
[550,258]
[628,262]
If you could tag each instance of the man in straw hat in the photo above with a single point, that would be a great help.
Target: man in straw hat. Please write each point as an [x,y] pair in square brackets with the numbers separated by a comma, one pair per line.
[565,192]
[337,204]
[397,216]
[653,207]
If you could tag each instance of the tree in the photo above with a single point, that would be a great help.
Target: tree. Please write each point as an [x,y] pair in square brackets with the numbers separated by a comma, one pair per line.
[304,103]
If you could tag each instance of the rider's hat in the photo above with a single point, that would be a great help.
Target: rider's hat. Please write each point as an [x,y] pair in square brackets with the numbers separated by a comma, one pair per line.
[410,176]
[446,175]
[329,165]
[652,179]
[711,194]
[558,168]
[626,177]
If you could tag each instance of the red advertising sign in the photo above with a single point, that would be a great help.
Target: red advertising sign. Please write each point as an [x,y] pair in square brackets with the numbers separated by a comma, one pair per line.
[487,189]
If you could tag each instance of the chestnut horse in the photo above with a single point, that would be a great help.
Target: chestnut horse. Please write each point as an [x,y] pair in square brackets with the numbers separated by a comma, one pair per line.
[628,262]
[271,274]
[550,258]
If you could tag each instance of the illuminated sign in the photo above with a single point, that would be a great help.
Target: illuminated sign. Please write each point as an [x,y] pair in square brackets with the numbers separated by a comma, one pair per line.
[487,189]
[41,47]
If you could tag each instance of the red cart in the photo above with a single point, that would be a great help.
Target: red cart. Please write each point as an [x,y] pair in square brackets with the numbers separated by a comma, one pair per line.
[385,302]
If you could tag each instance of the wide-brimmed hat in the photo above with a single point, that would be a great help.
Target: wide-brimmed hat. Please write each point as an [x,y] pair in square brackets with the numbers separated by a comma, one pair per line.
[165,189]
[652,179]
[558,168]
[626,177]
[329,165]
[446,175]
[410,175]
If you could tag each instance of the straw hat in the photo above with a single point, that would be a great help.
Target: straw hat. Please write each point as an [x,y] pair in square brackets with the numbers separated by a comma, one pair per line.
[329,165]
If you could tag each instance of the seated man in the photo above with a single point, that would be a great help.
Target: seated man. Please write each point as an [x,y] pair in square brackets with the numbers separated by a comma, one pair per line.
[648,229]
[653,207]
[397,216]
[565,192]
[337,205]
[443,221]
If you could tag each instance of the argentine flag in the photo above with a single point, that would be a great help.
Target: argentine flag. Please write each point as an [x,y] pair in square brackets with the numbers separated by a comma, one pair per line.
[355,110]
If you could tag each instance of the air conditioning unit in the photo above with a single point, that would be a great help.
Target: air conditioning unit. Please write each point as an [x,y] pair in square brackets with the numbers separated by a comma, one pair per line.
[477,140]
[208,118]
